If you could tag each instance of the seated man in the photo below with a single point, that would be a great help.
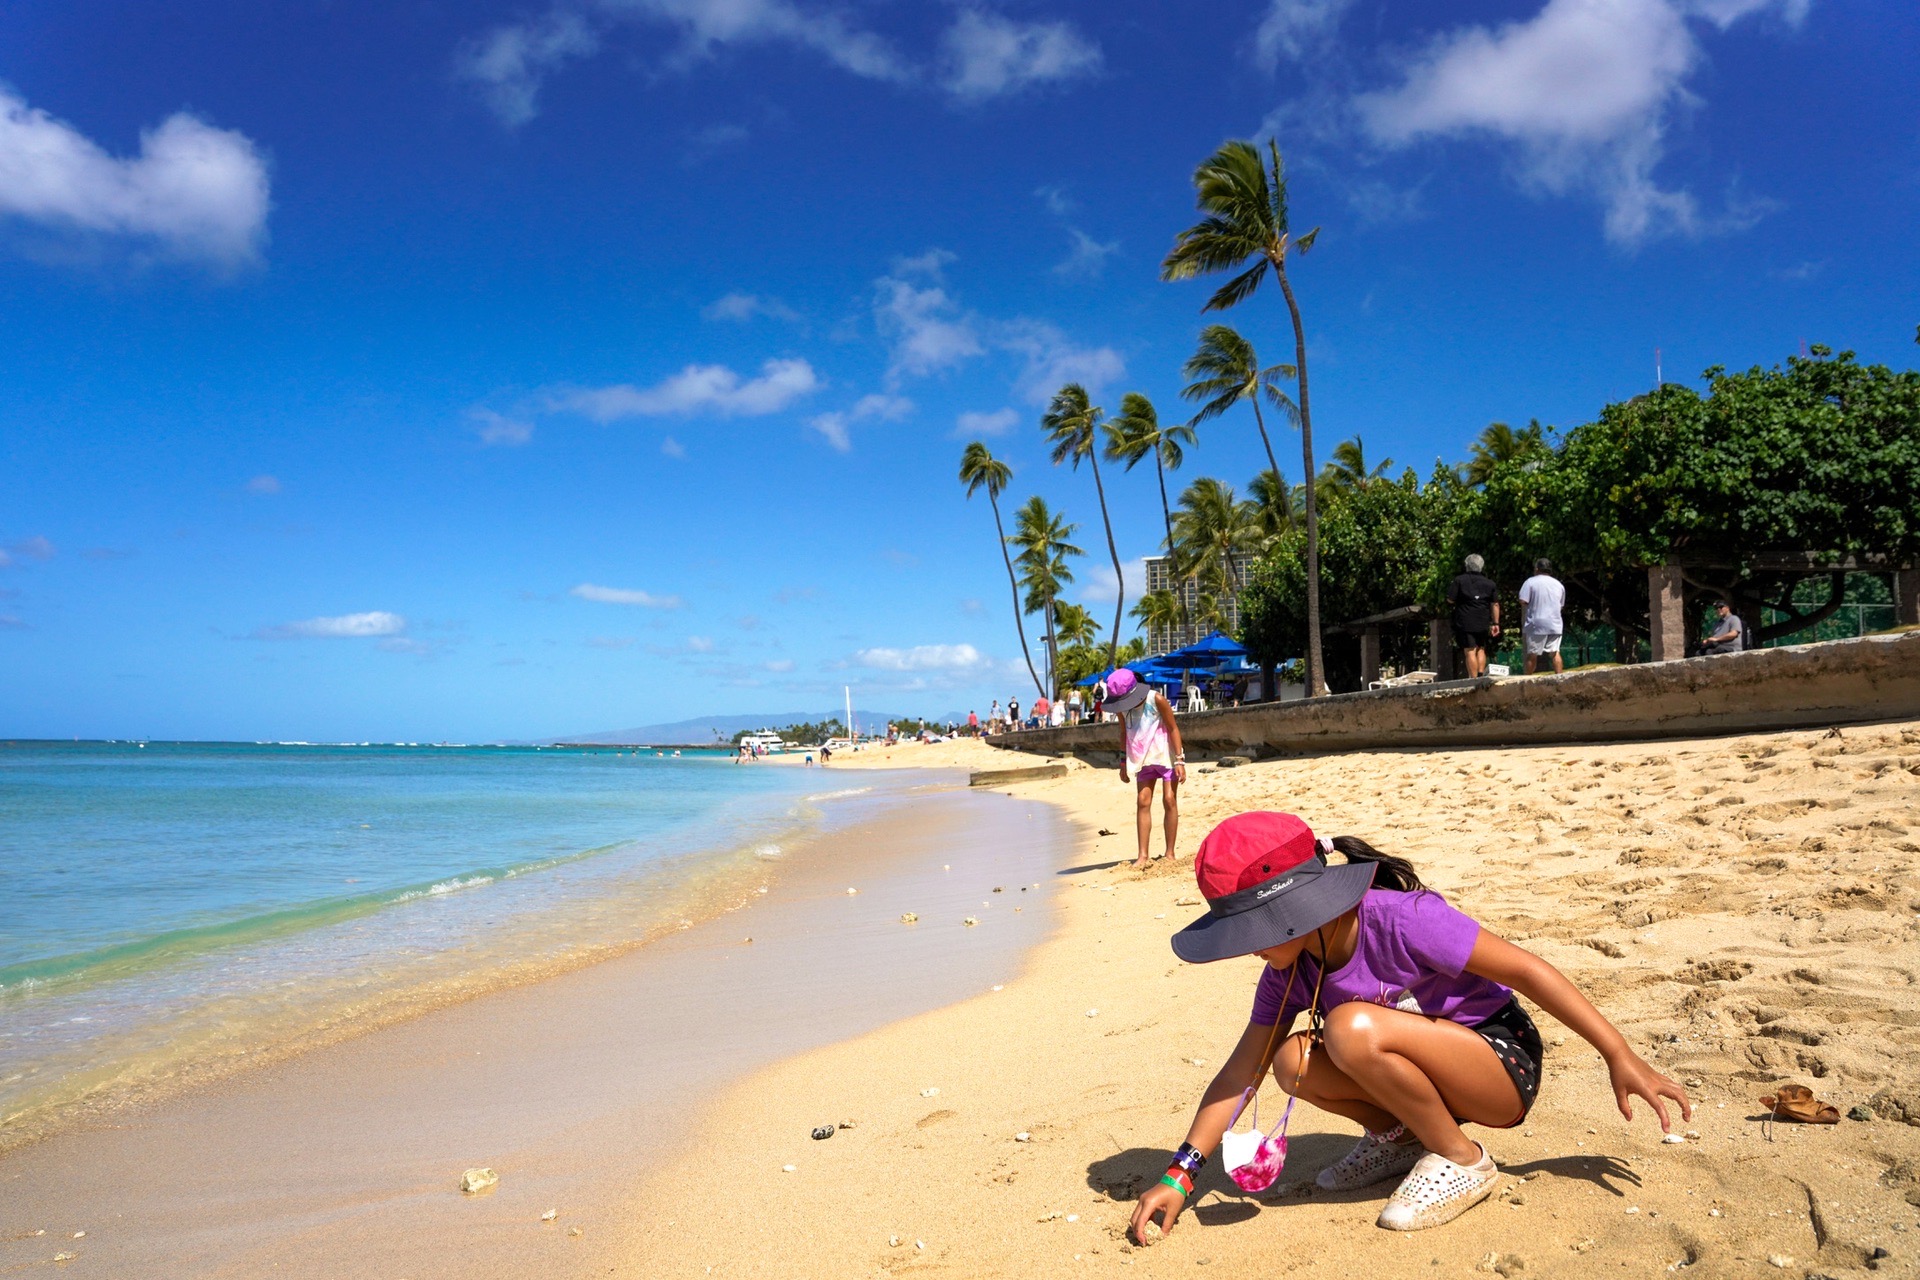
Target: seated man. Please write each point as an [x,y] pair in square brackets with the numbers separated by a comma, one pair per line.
[1729,634]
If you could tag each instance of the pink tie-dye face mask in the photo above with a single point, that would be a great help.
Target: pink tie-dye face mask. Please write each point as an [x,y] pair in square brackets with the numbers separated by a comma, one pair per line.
[1252,1159]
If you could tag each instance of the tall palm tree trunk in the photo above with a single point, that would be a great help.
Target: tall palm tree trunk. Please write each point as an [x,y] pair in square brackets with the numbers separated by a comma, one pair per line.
[1173,558]
[1119,582]
[1261,422]
[1053,656]
[1014,585]
[1314,663]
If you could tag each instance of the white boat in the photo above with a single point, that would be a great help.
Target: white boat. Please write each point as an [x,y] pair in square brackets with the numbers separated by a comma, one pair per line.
[765,740]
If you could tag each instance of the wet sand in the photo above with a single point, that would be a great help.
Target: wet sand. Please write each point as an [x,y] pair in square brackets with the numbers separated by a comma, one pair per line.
[1745,909]
[345,1161]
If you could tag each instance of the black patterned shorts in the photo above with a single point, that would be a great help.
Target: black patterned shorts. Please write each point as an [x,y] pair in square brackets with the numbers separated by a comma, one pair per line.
[1517,1043]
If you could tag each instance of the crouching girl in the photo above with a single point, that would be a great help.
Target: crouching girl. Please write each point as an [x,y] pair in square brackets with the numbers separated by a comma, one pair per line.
[1413,1027]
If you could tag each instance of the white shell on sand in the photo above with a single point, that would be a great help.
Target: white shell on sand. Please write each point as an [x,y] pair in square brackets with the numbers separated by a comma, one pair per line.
[853,891]
[549,1215]
[1673,1138]
[971,920]
[478,1180]
[930,1093]
[1023,1136]
[908,917]
[789,1168]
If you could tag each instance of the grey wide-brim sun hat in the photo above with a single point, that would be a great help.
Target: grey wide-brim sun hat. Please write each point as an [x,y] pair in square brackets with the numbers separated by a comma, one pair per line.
[1293,903]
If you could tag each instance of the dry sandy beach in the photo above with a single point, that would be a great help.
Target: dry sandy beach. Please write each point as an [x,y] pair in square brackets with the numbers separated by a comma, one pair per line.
[1745,909]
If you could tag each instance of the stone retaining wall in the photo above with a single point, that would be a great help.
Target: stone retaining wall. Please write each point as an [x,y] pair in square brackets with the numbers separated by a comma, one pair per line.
[1798,687]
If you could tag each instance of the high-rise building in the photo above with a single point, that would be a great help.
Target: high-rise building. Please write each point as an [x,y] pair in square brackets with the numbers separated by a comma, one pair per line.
[1162,639]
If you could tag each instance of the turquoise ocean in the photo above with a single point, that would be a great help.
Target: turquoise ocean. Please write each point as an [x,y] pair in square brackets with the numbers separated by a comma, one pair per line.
[172,909]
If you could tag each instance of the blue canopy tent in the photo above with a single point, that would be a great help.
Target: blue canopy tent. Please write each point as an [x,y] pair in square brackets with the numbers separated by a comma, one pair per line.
[1217,649]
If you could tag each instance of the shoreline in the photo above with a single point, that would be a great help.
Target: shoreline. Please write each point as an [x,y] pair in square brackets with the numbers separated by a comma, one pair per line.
[569,1085]
[1745,909]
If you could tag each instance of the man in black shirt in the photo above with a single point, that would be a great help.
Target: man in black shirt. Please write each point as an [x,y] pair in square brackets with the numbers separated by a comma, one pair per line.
[1476,614]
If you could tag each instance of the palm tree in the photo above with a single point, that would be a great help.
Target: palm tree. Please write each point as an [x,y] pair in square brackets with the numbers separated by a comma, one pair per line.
[1074,624]
[1273,500]
[1072,425]
[1501,443]
[1042,537]
[1224,371]
[1135,434]
[1212,527]
[1158,609]
[1246,217]
[979,469]
[1348,470]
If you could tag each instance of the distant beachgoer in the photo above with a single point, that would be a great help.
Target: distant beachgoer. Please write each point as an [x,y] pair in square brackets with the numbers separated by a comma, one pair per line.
[1058,715]
[1042,708]
[1013,713]
[1073,705]
[1412,1029]
[973,723]
[1476,614]
[1543,597]
[1152,752]
[993,717]
[1729,633]
[826,756]
[809,759]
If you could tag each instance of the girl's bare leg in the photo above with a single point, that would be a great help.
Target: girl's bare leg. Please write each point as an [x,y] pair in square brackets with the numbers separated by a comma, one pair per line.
[1143,817]
[1170,816]
[1383,1066]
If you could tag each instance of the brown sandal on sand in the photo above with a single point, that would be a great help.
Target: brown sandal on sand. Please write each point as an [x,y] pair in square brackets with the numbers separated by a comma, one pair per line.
[1796,1102]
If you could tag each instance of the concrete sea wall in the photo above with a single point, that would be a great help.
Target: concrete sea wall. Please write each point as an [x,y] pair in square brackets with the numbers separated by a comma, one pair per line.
[1798,687]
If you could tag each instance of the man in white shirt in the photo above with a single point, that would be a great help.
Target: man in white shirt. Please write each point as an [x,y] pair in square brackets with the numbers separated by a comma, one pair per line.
[1542,597]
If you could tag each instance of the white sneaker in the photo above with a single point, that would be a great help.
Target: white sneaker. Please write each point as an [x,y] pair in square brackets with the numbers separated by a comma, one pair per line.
[1438,1191]
[1375,1158]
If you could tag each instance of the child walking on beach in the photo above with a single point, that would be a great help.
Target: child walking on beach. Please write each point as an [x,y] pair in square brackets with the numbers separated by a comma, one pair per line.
[1413,1027]
[1150,741]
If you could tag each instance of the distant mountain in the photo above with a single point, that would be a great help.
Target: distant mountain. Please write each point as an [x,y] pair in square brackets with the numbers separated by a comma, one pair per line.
[722,728]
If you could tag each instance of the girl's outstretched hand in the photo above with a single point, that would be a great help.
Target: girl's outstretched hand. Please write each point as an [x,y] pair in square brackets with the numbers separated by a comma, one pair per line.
[1157,1201]
[1632,1078]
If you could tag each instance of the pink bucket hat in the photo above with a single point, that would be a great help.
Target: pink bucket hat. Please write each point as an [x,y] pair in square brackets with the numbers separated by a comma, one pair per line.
[1121,691]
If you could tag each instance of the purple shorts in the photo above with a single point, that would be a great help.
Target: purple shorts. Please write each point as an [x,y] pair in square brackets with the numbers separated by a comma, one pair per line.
[1153,773]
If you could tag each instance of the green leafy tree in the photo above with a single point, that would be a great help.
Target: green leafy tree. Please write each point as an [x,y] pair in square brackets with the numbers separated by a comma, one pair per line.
[1246,217]
[979,469]
[1074,624]
[1275,502]
[1072,426]
[1380,545]
[1160,609]
[1044,541]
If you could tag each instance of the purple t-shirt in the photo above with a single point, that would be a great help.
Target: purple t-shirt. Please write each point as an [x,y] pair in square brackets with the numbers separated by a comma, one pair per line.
[1411,954]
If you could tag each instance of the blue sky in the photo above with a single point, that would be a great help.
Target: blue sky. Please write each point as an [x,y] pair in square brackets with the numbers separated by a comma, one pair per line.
[429,371]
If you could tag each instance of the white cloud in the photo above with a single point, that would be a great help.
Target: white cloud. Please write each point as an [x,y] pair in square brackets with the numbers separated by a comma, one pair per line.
[698,388]
[1294,29]
[699,644]
[985,55]
[708,25]
[997,423]
[13,622]
[924,329]
[34,548]
[1088,257]
[778,665]
[746,306]
[932,264]
[263,485]
[672,448]
[194,192]
[1055,197]
[1052,361]
[833,429]
[1100,587]
[497,428]
[622,595]
[376,622]
[1585,88]
[925,657]
[509,63]
[833,426]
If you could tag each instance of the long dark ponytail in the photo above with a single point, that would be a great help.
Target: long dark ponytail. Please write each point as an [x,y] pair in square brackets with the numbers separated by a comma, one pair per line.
[1393,873]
